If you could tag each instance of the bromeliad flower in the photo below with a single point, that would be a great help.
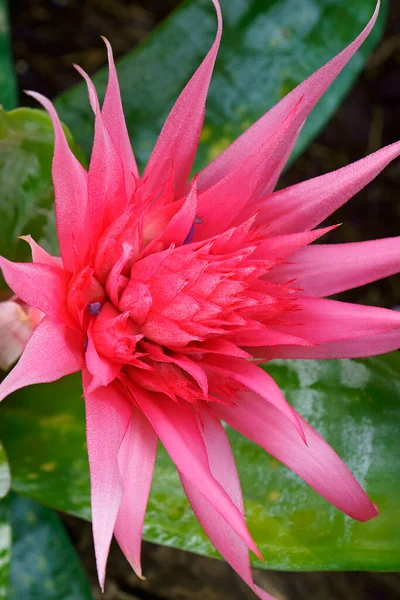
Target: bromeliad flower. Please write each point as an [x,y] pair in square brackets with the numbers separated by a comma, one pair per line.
[165,291]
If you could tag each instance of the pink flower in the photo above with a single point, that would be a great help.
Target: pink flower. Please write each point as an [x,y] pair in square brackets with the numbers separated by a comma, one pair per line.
[166,288]
[17,322]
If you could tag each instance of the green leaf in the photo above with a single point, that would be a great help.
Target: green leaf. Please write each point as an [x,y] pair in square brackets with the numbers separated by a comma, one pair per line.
[44,563]
[8,84]
[268,47]
[5,525]
[355,405]
[5,547]
[26,199]
[5,477]
[54,472]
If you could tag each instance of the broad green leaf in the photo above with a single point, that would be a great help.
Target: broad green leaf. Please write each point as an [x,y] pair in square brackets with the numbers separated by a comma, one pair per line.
[8,85]
[268,47]
[5,547]
[5,478]
[26,190]
[5,525]
[44,563]
[355,405]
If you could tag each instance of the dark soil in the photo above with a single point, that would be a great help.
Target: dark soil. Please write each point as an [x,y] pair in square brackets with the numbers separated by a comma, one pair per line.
[49,35]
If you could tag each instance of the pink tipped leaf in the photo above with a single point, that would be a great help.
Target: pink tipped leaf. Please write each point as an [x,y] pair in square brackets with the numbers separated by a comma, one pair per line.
[103,371]
[179,137]
[311,89]
[136,459]
[253,377]
[106,179]
[266,337]
[70,189]
[281,246]
[220,205]
[217,346]
[194,369]
[51,352]
[319,320]
[305,205]
[114,121]
[223,537]
[328,269]
[39,254]
[274,177]
[179,226]
[358,347]
[40,285]
[316,463]
[107,419]
[178,430]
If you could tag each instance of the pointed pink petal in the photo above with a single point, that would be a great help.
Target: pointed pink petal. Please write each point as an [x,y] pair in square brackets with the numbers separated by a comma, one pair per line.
[217,346]
[164,331]
[114,120]
[265,337]
[256,379]
[306,204]
[194,369]
[102,370]
[177,428]
[70,189]
[319,320]
[273,179]
[178,228]
[107,419]
[328,269]
[42,286]
[220,205]
[316,463]
[113,283]
[311,90]
[52,352]
[179,137]
[136,460]
[39,254]
[106,179]
[282,246]
[223,467]
[368,345]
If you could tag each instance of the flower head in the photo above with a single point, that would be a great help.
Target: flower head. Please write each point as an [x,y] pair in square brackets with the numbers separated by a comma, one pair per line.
[167,288]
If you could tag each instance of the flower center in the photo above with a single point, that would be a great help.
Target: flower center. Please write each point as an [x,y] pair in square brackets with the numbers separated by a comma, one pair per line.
[150,310]
[94,308]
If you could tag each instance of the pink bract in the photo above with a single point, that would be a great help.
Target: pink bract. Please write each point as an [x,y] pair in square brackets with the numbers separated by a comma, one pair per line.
[166,288]
[17,322]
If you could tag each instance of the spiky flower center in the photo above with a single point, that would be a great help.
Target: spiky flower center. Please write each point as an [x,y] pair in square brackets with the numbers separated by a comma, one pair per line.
[149,308]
